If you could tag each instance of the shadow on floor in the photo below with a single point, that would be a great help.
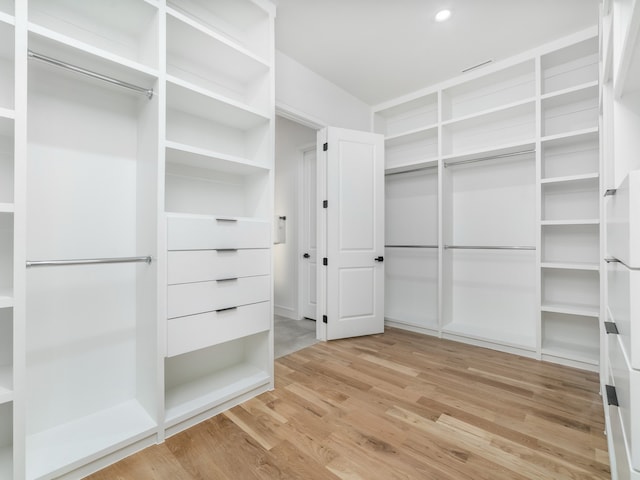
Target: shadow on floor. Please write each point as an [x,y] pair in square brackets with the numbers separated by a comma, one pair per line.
[292,335]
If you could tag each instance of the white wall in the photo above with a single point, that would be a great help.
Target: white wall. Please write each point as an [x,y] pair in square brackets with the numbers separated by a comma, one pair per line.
[290,138]
[304,93]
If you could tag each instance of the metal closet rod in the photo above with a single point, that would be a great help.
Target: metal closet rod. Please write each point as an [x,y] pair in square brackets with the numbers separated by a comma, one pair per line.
[489,247]
[59,63]
[411,246]
[87,261]
[491,157]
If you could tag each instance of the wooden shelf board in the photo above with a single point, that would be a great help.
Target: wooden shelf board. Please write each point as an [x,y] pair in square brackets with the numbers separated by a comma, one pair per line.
[182,154]
[582,310]
[588,221]
[188,97]
[6,384]
[571,178]
[490,111]
[398,138]
[9,20]
[571,135]
[571,265]
[566,91]
[411,166]
[70,444]
[503,337]
[187,400]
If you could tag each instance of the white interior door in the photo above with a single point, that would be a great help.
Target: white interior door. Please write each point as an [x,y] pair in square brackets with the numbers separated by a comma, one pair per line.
[353,229]
[308,257]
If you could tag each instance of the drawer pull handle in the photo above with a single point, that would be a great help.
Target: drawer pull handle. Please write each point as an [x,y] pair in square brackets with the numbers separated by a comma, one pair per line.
[611,327]
[226,309]
[612,396]
[226,219]
[226,279]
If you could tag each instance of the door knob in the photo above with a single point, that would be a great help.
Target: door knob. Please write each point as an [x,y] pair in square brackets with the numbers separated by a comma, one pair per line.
[379,259]
[306,255]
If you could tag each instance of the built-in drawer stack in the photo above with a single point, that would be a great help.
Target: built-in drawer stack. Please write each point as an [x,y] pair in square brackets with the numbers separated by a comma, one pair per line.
[623,326]
[219,285]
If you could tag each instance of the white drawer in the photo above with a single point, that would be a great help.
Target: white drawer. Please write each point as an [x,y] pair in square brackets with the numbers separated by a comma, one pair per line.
[191,333]
[623,221]
[191,298]
[201,232]
[202,265]
[623,286]
[618,445]
[627,383]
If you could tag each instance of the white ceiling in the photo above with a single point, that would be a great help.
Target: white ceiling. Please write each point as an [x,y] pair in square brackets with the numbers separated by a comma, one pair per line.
[381,49]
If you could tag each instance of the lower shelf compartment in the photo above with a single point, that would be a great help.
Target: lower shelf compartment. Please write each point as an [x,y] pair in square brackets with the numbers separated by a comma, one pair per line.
[571,351]
[571,337]
[66,447]
[509,338]
[204,379]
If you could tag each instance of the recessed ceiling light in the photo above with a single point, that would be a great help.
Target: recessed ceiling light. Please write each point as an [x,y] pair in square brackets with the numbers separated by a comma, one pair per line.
[443,15]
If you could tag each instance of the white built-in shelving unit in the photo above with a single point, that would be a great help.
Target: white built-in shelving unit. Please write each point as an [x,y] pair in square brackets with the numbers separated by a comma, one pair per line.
[619,108]
[498,173]
[129,130]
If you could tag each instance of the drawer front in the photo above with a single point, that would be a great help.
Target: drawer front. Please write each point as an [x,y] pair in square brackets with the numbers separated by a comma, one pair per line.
[203,265]
[191,333]
[205,233]
[192,298]
[623,221]
[624,307]
[627,383]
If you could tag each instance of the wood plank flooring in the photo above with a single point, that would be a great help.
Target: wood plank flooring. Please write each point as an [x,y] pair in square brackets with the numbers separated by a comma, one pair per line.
[395,406]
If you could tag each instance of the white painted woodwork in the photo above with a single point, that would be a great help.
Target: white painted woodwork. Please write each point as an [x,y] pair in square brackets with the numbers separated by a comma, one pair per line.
[201,265]
[202,232]
[623,286]
[354,232]
[623,226]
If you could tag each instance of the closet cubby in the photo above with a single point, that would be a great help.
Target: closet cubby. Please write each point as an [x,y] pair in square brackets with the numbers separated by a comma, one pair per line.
[408,117]
[488,92]
[207,378]
[570,66]
[217,65]
[570,111]
[571,155]
[501,127]
[573,198]
[122,30]
[574,243]
[6,440]
[91,348]
[7,54]
[242,22]
[574,289]
[416,149]
[570,336]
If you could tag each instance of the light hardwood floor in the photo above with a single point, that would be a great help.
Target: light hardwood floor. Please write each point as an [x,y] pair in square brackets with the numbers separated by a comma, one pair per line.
[396,406]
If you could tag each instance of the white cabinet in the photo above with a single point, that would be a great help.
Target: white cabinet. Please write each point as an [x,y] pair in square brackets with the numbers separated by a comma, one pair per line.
[623,286]
[623,222]
[114,116]
[493,205]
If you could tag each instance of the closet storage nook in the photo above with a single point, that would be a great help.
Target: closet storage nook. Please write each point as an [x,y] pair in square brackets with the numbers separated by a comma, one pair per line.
[136,191]
[620,112]
[510,207]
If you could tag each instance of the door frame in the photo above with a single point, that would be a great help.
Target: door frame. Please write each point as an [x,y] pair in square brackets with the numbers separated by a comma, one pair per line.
[301,234]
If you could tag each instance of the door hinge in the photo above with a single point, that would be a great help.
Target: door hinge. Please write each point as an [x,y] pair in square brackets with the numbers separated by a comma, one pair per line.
[325,261]
[612,396]
[324,319]
[325,203]
[325,147]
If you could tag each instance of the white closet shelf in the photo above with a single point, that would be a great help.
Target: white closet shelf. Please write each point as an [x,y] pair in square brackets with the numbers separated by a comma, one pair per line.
[6,297]
[571,266]
[577,352]
[181,154]
[69,445]
[588,221]
[187,400]
[69,50]
[571,178]
[582,310]
[6,384]
[501,111]
[7,113]
[6,207]
[498,151]
[572,136]
[589,86]
[509,338]
[412,166]
[178,23]
[7,19]
[189,98]
[411,135]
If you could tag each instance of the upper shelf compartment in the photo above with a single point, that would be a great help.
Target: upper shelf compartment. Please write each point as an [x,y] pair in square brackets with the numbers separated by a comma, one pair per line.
[124,30]
[408,117]
[571,66]
[241,21]
[217,64]
[495,90]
